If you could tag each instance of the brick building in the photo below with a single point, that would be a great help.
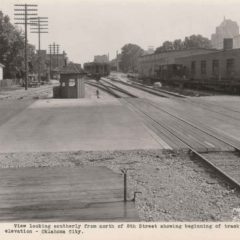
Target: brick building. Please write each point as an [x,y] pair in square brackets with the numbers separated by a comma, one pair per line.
[151,65]
[101,58]
[222,65]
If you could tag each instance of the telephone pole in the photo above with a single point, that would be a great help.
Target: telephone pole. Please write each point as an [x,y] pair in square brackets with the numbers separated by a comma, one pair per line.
[54,56]
[39,26]
[57,51]
[23,14]
[50,59]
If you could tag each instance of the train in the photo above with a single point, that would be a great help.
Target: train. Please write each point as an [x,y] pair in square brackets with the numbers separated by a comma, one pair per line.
[96,70]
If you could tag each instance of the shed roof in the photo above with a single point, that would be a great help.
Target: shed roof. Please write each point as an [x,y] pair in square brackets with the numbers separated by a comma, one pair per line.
[72,68]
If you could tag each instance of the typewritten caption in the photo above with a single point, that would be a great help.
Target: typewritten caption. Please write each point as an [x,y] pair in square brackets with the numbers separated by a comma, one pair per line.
[83,228]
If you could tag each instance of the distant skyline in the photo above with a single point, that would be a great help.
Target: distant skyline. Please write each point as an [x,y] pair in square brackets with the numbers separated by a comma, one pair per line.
[85,28]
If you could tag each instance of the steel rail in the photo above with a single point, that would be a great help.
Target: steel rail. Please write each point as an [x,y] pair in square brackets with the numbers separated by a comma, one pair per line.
[119,89]
[194,126]
[146,90]
[102,87]
[225,175]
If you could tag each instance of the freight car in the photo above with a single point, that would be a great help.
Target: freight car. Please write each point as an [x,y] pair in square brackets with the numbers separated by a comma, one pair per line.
[97,70]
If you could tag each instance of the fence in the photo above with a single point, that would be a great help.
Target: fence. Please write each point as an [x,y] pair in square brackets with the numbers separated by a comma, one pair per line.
[9,83]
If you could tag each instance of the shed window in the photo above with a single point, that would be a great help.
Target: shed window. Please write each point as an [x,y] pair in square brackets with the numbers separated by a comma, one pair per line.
[72,83]
[215,67]
[230,66]
[203,67]
[193,67]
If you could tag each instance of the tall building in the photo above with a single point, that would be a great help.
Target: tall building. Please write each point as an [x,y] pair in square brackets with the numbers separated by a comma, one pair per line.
[227,29]
[101,58]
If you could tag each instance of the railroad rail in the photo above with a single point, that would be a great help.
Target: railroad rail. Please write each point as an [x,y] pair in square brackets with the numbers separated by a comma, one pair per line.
[157,92]
[100,86]
[114,87]
[112,90]
[216,158]
[226,163]
[215,108]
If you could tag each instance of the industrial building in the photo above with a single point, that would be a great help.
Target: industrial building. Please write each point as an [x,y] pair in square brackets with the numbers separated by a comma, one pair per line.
[222,65]
[154,65]
[201,68]
[101,58]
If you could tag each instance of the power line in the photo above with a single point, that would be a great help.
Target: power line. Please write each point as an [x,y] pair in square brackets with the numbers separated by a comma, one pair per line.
[50,60]
[25,10]
[39,25]
[54,55]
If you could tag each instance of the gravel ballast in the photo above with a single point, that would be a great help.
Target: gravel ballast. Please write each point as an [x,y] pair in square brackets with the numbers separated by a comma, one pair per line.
[173,187]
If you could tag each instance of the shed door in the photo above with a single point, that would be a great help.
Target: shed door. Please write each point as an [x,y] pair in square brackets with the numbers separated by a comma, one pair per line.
[1,73]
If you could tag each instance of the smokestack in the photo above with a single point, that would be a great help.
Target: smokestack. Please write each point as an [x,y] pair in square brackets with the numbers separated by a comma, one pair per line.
[227,43]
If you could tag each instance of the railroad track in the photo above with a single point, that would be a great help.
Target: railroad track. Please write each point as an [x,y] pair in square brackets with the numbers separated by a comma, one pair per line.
[223,112]
[224,157]
[116,88]
[234,114]
[220,153]
[143,87]
[100,86]
[160,93]
[112,89]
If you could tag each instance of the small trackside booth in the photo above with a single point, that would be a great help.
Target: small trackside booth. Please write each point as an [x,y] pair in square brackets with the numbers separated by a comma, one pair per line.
[71,82]
[1,71]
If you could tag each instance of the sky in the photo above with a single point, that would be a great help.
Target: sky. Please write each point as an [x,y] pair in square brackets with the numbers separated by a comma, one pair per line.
[84,28]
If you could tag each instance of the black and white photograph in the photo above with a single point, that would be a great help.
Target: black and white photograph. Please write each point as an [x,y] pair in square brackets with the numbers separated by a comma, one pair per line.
[119,112]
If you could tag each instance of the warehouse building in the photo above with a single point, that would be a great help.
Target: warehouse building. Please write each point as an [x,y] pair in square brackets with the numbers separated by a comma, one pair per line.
[222,65]
[154,65]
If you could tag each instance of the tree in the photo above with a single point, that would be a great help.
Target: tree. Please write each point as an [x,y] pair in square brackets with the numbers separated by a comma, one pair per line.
[193,41]
[129,59]
[166,46]
[11,44]
[178,44]
[197,41]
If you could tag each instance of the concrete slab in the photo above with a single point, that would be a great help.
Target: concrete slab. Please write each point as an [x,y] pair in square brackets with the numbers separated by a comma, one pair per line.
[75,124]
[63,194]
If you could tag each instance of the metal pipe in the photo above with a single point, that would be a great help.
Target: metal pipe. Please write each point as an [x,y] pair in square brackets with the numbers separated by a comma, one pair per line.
[26,50]
[124,171]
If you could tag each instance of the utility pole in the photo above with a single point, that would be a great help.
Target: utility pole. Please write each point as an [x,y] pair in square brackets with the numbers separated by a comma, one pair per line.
[54,55]
[23,14]
[57,50]
[40,25]
[50,60]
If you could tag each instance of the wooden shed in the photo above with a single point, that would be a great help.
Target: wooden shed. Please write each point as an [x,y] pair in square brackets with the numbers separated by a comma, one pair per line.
[1,71]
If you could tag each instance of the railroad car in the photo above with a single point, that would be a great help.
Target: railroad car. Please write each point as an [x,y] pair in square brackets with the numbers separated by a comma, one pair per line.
[97,70]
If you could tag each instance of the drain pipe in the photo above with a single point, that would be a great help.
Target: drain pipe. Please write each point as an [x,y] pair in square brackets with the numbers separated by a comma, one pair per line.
[124,171]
